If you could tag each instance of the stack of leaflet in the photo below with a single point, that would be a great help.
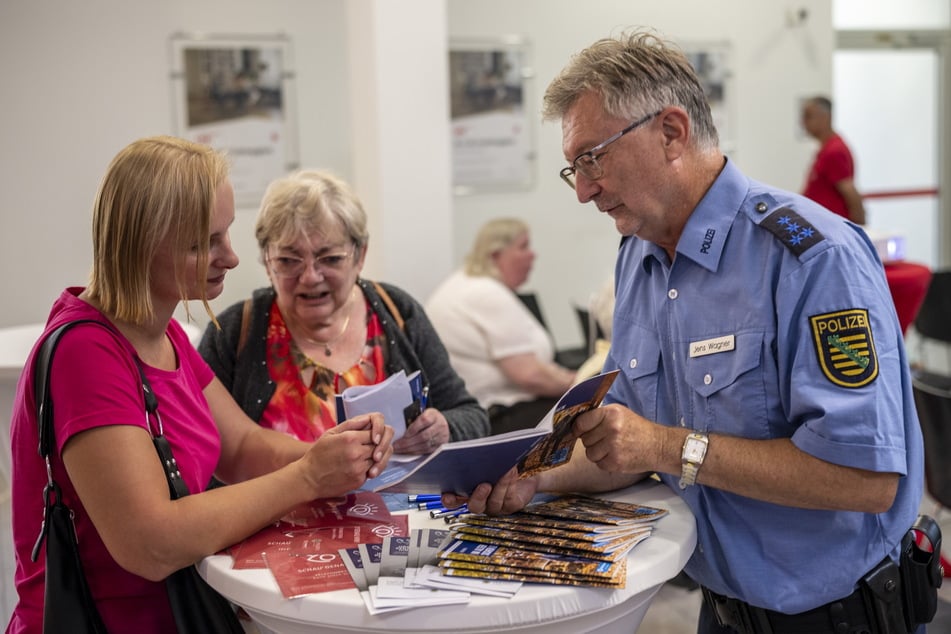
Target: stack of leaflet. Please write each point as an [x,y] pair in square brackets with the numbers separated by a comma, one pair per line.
[400,573]
[572,540]
[301,549]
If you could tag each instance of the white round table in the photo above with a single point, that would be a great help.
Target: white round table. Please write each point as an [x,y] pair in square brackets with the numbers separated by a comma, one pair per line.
[535,608]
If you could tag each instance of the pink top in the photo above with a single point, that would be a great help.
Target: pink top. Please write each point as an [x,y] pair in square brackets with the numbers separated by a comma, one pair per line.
[94,382]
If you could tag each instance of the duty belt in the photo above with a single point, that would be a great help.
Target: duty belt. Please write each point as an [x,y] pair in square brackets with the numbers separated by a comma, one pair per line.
[844,616]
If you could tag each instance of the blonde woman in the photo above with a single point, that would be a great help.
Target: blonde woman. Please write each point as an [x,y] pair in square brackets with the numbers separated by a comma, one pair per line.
[495,343]
[160,236]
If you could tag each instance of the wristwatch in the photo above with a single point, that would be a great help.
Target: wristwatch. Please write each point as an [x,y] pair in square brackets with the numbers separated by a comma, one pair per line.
[695,448]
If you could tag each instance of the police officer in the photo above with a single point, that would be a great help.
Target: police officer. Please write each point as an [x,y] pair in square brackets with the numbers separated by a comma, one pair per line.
[764,374]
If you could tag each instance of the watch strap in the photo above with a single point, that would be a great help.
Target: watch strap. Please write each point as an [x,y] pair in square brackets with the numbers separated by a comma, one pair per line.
[688,474]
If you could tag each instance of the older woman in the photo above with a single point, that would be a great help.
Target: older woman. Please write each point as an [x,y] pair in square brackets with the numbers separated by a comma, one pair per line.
[495,343]
[320,328]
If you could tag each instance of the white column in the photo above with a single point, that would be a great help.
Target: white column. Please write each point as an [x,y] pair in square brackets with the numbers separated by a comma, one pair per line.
[399,93]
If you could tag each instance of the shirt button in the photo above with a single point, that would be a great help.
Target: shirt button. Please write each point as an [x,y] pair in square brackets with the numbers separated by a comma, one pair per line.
[672,293]
[633,363]
[761,207]
[707,379]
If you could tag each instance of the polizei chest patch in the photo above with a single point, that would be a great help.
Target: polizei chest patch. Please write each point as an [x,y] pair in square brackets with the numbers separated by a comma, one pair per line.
[845,347]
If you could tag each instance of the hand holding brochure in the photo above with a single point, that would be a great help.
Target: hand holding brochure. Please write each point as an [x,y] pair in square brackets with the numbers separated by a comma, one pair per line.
[399,398]
[460,466]
[555,449]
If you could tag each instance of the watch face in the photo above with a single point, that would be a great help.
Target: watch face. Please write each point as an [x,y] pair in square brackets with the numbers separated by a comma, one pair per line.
[694,450]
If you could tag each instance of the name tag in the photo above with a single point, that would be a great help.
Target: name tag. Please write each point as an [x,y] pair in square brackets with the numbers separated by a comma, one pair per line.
[712,346]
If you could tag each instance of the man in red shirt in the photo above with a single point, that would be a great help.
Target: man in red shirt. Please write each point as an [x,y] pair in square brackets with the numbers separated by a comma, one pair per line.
[830,182]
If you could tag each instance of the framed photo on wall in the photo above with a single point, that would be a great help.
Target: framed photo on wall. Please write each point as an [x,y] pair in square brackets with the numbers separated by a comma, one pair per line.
[492,141]
[236,95]
[713,64]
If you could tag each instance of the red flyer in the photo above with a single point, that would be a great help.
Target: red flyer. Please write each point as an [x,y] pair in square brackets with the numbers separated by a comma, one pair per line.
[310,565]
[281,538]
[355,507]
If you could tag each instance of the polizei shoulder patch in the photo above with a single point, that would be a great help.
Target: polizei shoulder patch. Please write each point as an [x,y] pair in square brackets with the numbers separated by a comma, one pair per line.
[794,232]
[845,347]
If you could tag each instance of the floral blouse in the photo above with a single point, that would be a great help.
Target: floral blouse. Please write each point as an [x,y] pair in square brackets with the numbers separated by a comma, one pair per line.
[303,405]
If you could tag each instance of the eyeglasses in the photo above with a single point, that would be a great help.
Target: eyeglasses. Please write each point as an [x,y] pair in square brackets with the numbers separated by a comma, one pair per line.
[587,163]
[293,266]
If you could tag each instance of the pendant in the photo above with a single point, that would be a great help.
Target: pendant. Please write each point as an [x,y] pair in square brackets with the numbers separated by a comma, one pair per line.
[327,350]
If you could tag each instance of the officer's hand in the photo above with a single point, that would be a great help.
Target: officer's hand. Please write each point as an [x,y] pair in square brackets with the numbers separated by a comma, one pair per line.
[615,438]
[509,494]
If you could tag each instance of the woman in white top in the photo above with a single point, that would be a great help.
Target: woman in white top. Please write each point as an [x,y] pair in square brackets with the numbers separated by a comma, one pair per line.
[495,344]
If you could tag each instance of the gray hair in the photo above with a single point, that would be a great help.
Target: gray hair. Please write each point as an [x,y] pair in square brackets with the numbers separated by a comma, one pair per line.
[309,201]
[635,74]
[494,236]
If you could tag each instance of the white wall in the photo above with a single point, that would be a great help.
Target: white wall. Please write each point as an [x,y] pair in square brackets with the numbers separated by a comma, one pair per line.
[84,79]
[81,80]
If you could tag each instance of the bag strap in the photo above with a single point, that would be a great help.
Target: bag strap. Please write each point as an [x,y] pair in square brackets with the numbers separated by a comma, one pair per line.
[41,387]
[44,422]
[245,324]
[389,304]
[176,486]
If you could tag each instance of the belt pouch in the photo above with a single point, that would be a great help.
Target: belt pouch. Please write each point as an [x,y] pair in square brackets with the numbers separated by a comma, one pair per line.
[882,591]
[921,572]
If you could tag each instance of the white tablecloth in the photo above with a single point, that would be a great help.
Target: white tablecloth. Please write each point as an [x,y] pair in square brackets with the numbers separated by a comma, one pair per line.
[536,607]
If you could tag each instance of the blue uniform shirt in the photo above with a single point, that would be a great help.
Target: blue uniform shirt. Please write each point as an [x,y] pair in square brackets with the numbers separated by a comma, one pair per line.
[773,321]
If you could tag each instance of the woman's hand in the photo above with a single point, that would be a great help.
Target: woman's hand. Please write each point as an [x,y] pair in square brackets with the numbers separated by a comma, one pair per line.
[344,457]
[423,435]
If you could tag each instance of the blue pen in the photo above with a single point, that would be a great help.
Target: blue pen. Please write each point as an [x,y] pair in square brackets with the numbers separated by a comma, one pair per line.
[449,512]
[430,504]
[424,497]
[449,519]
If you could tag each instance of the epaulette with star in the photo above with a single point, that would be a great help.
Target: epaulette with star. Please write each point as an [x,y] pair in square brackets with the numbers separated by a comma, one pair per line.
[793,231]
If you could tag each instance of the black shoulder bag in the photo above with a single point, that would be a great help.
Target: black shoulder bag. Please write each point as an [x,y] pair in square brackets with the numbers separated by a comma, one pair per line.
[68,604]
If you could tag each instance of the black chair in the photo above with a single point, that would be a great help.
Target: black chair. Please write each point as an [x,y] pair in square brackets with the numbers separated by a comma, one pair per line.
[933,320]
[933,403]
[571,358]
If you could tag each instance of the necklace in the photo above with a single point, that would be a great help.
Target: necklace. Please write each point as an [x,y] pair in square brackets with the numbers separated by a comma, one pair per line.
[328,351]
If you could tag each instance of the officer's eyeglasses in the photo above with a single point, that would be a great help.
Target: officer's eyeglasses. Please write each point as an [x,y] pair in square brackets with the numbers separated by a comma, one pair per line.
[587,163]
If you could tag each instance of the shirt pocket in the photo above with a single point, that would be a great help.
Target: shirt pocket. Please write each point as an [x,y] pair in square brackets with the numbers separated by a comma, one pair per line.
[729,389]
[640,371]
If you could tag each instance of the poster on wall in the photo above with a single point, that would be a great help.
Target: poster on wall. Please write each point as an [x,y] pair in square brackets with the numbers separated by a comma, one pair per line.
[491,132]
[713,65]
[235,94]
